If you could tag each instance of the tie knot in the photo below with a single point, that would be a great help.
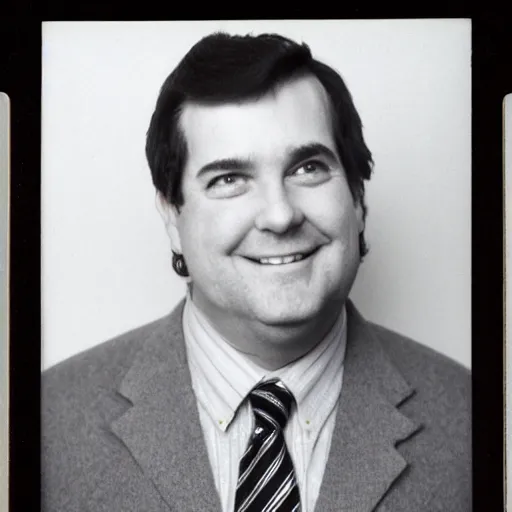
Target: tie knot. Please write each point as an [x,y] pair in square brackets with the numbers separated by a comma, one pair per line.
[271,403]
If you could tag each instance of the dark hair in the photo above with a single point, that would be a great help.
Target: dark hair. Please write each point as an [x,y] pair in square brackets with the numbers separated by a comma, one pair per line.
[221,68]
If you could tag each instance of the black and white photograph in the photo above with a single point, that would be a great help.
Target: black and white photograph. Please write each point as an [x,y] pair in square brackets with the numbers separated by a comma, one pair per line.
[256,266]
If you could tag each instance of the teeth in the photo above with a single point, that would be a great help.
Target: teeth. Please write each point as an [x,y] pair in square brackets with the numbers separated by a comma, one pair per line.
[284,260]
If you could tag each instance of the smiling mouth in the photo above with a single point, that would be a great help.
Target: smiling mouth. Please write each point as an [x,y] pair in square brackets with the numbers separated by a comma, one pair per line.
[282,260]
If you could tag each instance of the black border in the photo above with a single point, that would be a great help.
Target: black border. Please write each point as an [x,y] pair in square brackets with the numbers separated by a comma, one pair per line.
[20,78]
[492,80]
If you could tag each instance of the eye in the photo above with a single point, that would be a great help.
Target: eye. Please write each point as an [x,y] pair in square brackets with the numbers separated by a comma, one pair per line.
[312,172]
[226,185]
[312,167]
[224,180]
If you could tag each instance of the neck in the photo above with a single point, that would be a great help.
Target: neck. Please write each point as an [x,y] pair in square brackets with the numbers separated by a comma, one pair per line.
[273,346]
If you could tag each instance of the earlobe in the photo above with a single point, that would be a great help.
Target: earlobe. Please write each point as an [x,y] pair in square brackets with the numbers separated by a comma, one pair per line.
[169,214]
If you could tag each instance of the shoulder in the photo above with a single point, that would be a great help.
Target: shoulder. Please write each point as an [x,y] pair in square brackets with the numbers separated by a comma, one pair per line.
[80,456]
[441,399]
[87,382]
[442,386]
[101,364]
[425,369]
[440,453]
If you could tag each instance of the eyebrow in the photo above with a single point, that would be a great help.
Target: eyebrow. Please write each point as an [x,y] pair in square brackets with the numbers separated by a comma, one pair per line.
[296,156]
[308,151]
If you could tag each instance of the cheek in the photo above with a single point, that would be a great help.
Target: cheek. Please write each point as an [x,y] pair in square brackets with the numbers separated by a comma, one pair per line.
[216,228]
[332,211]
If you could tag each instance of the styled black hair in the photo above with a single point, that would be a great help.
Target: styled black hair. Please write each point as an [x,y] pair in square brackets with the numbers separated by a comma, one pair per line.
[223,68]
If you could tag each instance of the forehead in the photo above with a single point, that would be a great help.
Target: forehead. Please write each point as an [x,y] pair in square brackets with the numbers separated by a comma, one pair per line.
[295,113]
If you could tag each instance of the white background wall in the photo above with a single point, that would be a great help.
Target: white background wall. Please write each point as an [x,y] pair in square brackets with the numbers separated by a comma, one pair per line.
[106,261]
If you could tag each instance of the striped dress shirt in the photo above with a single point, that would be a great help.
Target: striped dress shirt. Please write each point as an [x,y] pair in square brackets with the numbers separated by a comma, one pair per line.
[222,378]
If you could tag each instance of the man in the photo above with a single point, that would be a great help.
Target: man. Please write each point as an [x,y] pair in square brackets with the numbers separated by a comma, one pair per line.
[265,389]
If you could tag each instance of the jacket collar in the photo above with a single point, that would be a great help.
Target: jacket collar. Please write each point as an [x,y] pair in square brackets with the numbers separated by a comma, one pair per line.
[363,460]
[162,429]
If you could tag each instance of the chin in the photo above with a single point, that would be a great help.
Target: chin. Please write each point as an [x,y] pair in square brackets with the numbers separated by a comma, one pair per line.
[291,315]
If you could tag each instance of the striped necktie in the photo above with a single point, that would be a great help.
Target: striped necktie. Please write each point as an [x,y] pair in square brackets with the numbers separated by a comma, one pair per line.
[266,481]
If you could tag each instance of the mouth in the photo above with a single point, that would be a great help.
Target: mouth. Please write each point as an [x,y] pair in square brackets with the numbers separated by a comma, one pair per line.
[286,259]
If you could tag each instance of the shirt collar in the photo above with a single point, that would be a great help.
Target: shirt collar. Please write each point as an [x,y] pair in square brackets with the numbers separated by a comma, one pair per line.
[222,376]
[315,379]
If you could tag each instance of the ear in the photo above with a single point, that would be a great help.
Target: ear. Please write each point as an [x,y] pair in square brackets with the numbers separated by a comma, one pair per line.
[169,214]
[359,216]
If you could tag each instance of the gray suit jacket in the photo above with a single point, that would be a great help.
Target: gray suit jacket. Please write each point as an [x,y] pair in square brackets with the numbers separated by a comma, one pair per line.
[121,429]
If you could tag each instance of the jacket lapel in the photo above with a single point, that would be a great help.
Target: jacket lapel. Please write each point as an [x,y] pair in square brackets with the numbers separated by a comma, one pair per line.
[363,461]
[162,429]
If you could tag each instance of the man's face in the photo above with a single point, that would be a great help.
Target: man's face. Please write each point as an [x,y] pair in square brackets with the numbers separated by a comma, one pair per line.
[268,229]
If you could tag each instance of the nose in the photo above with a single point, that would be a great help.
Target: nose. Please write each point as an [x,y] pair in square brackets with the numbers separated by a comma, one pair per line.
[279,212]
